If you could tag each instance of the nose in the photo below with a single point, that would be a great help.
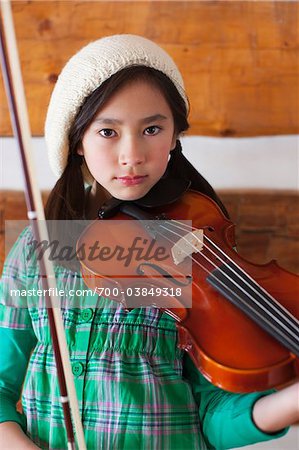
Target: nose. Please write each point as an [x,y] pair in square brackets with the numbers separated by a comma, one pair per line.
[131,153]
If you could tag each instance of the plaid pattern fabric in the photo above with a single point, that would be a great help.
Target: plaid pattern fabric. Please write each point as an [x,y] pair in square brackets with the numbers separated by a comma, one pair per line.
[127,369]
[134,391]
[128,377]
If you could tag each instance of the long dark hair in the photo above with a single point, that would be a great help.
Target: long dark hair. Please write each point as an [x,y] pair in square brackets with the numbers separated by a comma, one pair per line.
[67,199]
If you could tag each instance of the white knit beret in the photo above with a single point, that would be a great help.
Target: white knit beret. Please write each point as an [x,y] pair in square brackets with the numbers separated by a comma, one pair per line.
[85,72]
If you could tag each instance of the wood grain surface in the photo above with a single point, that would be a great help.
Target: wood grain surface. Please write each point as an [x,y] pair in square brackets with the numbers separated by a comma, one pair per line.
[239,59]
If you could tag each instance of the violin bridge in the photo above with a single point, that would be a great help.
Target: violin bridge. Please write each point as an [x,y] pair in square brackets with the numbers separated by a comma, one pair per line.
[190,243]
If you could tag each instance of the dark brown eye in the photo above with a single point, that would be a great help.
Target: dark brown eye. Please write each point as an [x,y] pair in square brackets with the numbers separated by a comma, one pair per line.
[151,131]
[107,132]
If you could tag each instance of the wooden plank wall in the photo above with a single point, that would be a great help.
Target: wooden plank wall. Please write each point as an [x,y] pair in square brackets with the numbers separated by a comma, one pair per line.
[240,63]
[267,224]
[239,58]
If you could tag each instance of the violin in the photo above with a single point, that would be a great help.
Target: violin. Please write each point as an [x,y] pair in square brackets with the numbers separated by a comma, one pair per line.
[241,330]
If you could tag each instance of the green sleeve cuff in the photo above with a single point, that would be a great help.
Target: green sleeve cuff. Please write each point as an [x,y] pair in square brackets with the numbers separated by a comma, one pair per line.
[16,346]
[245,426]
[231,425]
[226,417]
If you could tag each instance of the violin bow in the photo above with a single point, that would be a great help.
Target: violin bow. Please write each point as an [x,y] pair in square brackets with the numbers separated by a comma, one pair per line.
[19,117]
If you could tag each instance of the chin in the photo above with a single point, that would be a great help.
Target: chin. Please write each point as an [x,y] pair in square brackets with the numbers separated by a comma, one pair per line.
[131,196]
[128,197]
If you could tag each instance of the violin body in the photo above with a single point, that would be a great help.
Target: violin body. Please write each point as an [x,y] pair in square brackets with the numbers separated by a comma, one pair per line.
[229,348]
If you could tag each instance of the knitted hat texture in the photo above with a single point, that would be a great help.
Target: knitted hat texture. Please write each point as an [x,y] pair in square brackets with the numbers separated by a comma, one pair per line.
[85,72]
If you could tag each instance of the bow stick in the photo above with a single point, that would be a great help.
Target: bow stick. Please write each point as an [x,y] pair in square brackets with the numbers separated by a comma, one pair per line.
[20,123]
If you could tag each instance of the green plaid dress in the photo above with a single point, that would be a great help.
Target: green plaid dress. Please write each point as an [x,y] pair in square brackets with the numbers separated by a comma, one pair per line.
[136,389]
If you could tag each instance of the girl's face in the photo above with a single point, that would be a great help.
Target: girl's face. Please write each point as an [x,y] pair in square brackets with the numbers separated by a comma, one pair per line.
[126,147]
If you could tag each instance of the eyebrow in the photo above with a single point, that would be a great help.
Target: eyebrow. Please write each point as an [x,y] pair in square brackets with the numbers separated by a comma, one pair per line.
[146,120]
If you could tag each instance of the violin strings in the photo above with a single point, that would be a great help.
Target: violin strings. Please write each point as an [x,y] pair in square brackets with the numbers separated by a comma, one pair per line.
[274,305]
[226,275]
[270,324]
[264,295]
[251,284]
[257,288]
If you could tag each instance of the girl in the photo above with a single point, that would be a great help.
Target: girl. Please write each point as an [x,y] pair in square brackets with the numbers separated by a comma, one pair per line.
[113,124]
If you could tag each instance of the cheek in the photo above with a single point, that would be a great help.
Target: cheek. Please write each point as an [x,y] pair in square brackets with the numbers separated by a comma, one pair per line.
[96,155]
[98,164]
[160,163]
[162,153]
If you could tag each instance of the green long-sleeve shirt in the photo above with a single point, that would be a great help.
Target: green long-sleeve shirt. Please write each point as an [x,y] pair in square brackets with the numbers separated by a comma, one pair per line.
[136,389]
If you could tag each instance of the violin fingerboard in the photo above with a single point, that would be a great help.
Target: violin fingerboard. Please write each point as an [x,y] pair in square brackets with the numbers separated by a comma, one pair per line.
[247,295]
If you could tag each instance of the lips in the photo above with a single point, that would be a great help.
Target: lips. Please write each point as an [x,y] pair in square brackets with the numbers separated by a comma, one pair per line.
[130,181]
[136,177]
